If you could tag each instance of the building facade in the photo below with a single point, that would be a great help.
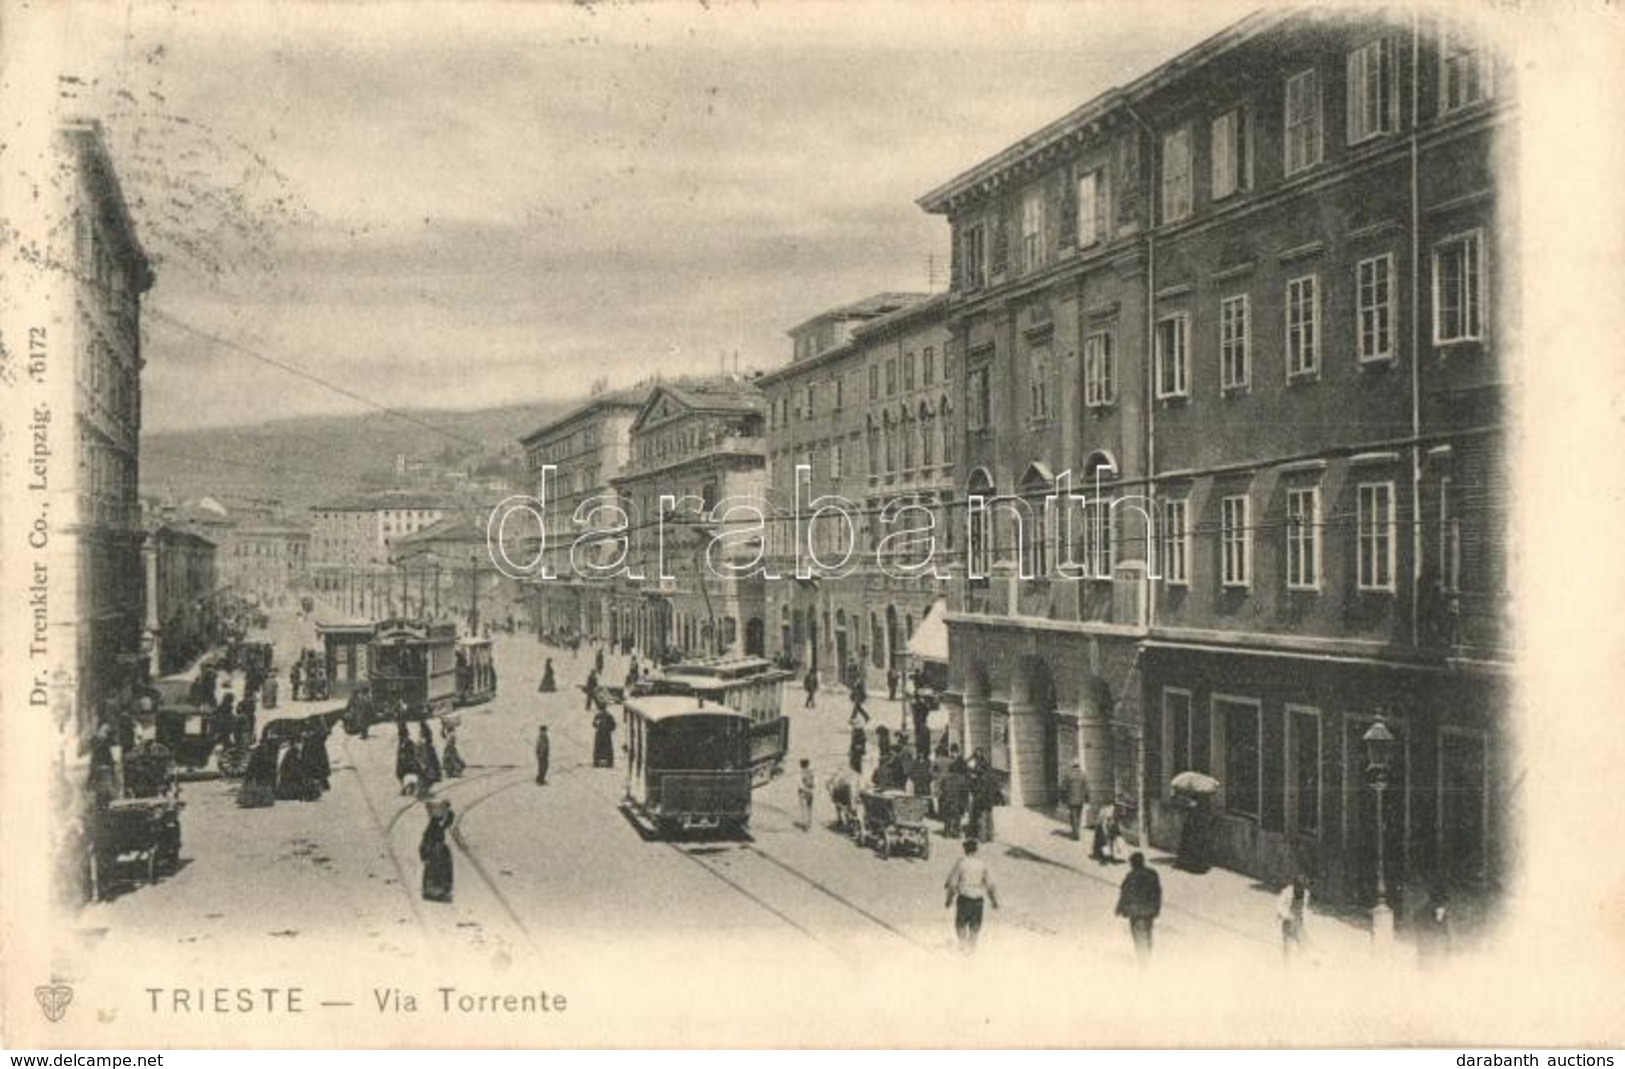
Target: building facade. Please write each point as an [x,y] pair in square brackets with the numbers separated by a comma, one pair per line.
[106,273]
[863,414]
[1261,282]
[181,582]
[580,452]
[353,547]
[266,561]
[692,581]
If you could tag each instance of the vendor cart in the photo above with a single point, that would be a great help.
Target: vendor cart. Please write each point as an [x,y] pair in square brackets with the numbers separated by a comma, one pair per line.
[894,823]
[141,832]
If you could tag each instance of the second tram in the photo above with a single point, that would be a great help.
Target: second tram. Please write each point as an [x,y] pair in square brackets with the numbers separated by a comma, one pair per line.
[688,764]
[414,662]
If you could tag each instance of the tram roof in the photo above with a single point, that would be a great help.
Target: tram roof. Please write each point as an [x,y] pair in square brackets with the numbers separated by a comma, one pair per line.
[671,706]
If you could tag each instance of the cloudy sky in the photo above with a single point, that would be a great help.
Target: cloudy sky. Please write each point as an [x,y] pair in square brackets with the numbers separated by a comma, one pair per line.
[473,205]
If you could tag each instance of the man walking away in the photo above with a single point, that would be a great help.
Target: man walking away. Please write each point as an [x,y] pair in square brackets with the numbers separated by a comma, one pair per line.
[969,882]
[1075,789]
[811,683]
[1140,900]
[804,793]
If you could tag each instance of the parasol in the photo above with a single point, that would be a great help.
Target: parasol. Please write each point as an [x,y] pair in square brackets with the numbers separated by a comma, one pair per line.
[1195,783]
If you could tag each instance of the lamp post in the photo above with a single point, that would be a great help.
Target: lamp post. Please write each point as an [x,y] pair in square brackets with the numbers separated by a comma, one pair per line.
[1379,746]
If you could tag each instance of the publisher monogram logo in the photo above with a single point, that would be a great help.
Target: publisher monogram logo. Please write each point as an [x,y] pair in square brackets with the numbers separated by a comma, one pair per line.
[53,999]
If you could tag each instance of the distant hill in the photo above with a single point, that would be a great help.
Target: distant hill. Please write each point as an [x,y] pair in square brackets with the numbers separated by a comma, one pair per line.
[305,460]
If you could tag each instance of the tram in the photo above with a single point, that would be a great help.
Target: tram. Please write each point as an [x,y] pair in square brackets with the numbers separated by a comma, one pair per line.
[751,686]
[415,662]
[476,671]
[688,764]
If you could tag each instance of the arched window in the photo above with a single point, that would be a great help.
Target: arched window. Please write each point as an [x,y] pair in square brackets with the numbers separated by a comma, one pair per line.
[1035,487]
[980,521]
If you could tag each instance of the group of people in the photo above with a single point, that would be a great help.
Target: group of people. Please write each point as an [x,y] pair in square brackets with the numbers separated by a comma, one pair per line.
[418,764]
[287,766]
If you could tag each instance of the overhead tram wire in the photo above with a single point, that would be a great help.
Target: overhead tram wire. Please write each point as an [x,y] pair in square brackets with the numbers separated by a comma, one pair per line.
[253,354]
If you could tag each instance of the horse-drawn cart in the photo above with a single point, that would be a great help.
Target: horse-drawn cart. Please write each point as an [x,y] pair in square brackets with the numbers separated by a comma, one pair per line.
[894,823]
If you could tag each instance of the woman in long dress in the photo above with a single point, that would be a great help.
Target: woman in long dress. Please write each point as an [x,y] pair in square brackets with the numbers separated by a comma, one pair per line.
[435,853]
[406,756]
[258,788]
[429,772]
[549,684]
[603,749]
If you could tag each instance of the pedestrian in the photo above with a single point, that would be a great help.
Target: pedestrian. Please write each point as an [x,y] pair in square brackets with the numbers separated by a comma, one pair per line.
[598,661]
[951,798]
[811,685]
[1075,792]
[429,770]
[1140,900]
[258,788]
[1194,834]
[855,750]
[271,688]
[452,762]
[969,882]
[296,677]
[435,853]
[860,694]
[804,794]
[1435,939]
[290,772]
[892,676]
[549,684]
[603,749]
[591,688]
[920,705]
[1291,906]
[544,750]
[1104,847]
[318,769]
[406,757]
[883,743]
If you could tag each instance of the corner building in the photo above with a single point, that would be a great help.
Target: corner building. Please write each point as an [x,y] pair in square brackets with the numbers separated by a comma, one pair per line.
[1308,371]
[866,406]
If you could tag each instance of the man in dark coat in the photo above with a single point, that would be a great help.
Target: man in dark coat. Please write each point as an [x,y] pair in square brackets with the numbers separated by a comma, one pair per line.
[1075,793]
[1140,900]
[860,694]
[811,685]
[544,750]
[318,769]
[591,688]
[855,751]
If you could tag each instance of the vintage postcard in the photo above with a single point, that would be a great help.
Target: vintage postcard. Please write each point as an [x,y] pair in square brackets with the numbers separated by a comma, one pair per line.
[902,524]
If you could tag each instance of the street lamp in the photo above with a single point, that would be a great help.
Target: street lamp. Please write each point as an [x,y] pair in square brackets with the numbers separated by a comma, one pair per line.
[1379,748]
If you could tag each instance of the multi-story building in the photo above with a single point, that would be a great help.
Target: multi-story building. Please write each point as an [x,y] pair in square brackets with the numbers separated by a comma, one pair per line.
[97,329]
[181,581]
[266,560]
[694,443]
[1257,285]
[352,545]
[581,452]
[863,413]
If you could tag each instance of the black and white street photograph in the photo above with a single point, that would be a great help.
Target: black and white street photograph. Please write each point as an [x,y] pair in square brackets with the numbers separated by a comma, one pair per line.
[803,524]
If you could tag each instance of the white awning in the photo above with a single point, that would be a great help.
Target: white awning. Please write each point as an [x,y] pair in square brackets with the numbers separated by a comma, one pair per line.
[929,642]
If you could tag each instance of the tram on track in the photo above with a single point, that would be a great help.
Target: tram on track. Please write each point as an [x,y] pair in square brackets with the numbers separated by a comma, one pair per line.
[750,686]
[415,662]
[476,671]
[688,764]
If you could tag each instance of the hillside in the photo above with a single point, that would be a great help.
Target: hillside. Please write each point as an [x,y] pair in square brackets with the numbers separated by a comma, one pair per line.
[305,460]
